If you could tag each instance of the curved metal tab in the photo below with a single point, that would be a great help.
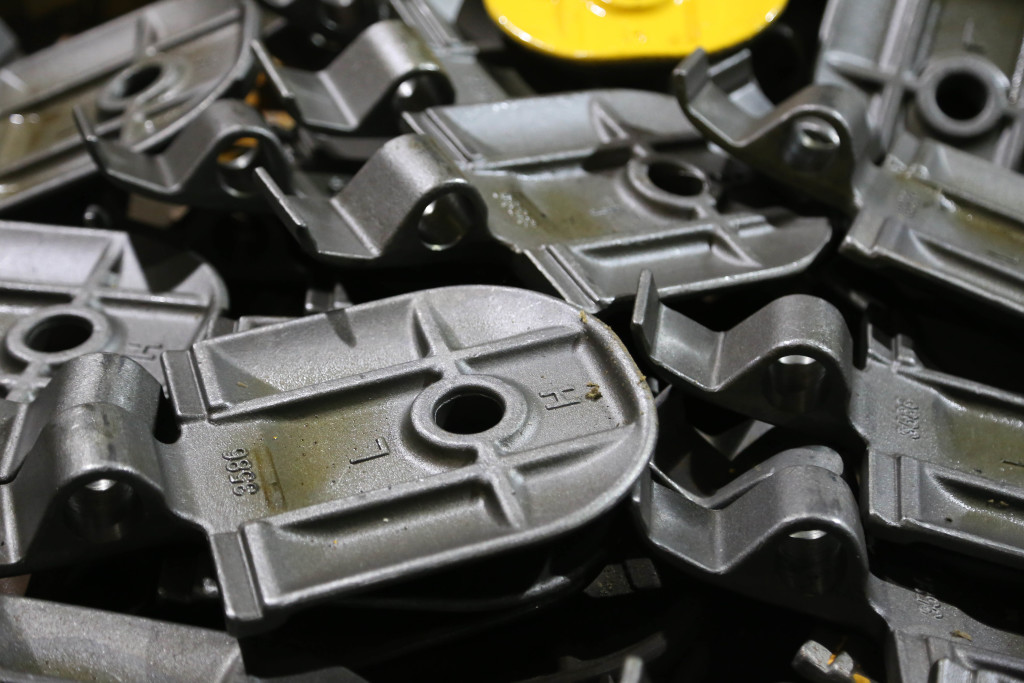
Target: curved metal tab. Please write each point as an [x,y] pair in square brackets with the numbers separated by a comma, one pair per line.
[210,164]
[814,141]
[143,77]
[368,74]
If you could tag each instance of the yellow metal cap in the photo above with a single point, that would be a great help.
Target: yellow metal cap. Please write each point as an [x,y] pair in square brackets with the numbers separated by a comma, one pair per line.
[603,30]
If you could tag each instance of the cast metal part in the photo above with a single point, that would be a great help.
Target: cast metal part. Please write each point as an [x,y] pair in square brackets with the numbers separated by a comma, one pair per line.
[948,70]
[945,216]
[407,201]
[335,18]
[65,292]
[816,140]
[943,456]
[143,77]
[594,187]
[788,531]
[459,58]
[928,209]
[644,208]
[384,62]
[332,453]
[210,163]
[48,641]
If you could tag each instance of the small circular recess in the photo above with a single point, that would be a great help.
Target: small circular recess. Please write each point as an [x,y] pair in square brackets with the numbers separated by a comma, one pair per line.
[236,164]
[102,509]
[58,333]
[457,412]
[676,179]
[796,383]
[962,96]
[140,81]
[445,221]
[813,143]
[469,412]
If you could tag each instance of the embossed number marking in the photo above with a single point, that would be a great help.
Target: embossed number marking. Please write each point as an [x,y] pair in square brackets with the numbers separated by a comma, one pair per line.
[908,418]
[240,475]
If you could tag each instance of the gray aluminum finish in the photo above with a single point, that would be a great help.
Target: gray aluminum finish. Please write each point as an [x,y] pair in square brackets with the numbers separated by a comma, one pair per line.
[193,169]
[929,209]
[48,641]
[143,77]
[328,454]
[944,459]
[406,202]
[65,292]
[594,187]
[334,18]
[947,69]
[354,88]
[788,531]
[471,81]
[588,187]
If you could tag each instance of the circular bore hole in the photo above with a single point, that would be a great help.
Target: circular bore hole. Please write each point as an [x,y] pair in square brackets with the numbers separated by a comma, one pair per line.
[471,412]
[675,179]
[419,92]
[809,535]
[136,80]
[811,561]
[100,509]
[812,145]
[961,95]
[59,333]
[817,135]
[796,382]
[445,221]
[236,163]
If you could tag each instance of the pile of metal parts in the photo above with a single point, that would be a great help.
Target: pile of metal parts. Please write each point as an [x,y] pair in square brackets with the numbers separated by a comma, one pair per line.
[354,340]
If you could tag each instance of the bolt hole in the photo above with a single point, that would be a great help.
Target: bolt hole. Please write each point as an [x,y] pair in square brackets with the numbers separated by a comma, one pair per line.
[675,179]
[101,509]
[812,144]
[59,333]
[796,382]
[445,221]
[471,412]
[136,80]
[961,95]
[421,92]
[811,560]
[817,135]
[236,162]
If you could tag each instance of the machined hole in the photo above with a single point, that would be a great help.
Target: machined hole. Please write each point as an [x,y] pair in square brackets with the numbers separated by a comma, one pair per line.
[811,560]
[236,163]
[675,179]
[136,80]
[59,333]
[421,91]
[469,412]
[813,142]
[102,509]
[962,95]
[445,221]
[796,382]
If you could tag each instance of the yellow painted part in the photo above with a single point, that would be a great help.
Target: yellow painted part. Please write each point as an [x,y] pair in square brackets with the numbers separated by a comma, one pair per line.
[605,30]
